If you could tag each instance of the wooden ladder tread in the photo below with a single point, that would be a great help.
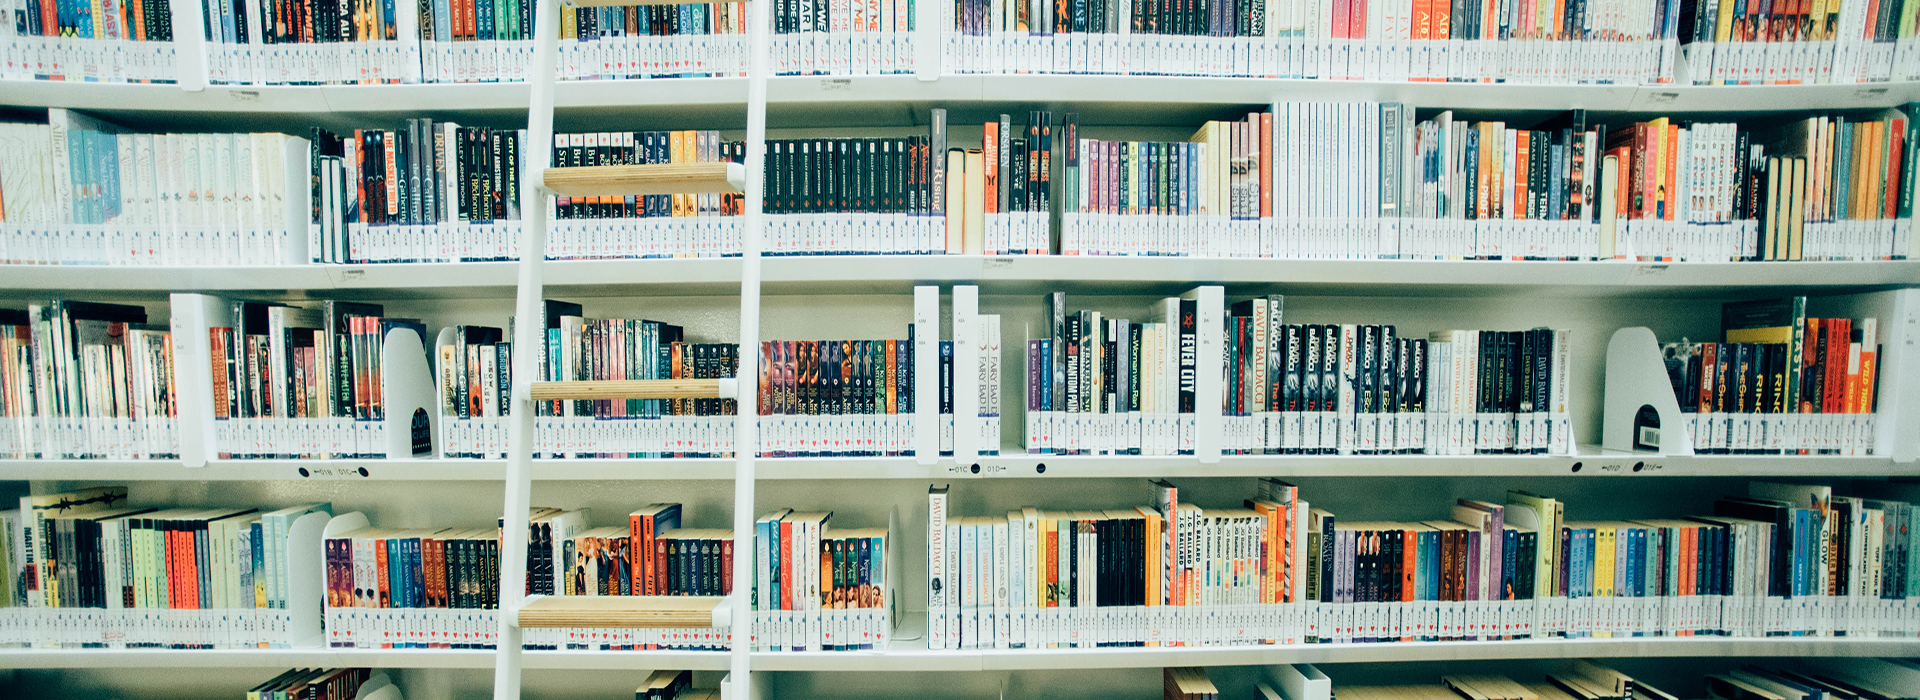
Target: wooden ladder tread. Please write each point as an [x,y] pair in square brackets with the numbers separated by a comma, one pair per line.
[631,389]
[619,612]
[664,178]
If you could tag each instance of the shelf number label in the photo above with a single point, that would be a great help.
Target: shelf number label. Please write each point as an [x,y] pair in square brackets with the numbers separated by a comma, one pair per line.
[333,472]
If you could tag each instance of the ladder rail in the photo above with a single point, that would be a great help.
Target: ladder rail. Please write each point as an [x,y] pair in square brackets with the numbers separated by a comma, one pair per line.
[528,334]
[746,443]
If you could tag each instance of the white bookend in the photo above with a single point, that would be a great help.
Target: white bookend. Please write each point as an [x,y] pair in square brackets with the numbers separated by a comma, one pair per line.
[1209,324]
[926,374]
[966,377]
[1637,382]
[304,568]
[189,47]
[193,314]
[1299,682]
[412,415]
[406,15]
[290,200]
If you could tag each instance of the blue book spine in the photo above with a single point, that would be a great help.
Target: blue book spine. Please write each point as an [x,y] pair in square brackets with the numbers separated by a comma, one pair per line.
[111,159]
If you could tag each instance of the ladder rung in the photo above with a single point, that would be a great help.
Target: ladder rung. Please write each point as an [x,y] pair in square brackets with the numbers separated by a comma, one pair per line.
[634,389]
[620,612]
[666,178]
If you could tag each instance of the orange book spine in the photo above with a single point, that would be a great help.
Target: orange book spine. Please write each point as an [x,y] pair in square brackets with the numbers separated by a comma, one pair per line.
[990,148]
[1266,165]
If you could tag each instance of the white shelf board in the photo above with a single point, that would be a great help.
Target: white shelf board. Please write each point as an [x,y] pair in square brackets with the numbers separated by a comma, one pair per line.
[855,274]
[372,658]
[1142,657]
[909,653]
[1590,463]
[907,89]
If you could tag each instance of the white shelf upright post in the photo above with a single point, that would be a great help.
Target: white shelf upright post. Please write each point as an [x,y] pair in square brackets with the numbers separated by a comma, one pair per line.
[528,334]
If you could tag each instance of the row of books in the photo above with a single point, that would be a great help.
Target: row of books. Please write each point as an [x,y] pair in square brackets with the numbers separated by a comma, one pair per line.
[92,380]
[326,684]
[1304,180]
[298,381]
[1100,385]
[1731,44]
[130,42]
[86,380]
[1621,42]
[1618,42]
[95,571]
[1583,679]
[80,190]
[1579,680]
[1790,559]
[1779,382]
[432,191]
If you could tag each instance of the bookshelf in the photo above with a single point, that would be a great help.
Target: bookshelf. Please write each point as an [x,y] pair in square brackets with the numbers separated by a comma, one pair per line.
[870,295]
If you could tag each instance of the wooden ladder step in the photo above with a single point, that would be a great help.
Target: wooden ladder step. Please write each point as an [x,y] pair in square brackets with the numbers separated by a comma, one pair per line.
[620,612]
[634,389]
[667,178]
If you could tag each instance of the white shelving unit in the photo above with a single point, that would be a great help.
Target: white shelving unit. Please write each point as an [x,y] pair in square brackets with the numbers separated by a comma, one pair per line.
[1590,462]
[1003,274]
[866,296]
[785,91]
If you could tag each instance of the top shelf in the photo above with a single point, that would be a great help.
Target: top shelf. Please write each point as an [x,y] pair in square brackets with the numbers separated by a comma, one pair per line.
[900,99]
[883,274]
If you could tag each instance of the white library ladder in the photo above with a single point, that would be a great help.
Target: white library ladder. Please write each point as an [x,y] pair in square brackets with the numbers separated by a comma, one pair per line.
[517,611]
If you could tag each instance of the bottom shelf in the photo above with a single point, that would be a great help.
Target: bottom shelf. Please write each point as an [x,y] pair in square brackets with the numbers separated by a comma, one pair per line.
[909,653]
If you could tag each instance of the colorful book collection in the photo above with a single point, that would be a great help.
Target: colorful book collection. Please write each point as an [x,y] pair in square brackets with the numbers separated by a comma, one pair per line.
[668,226]
[844,37]
[579,348]
[97,572]
[1852,42]
[1616,41]
[86,380]
[1787,560]
[1100,385]
[821,588]
[1303,181]
[281,42]
[1584,679]
[1780,382]
[325,684]
[837,397]
[83,191]
[1187,684]
[117,42]
[433,191]
[301,382]
[1621,42]
[438,588]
